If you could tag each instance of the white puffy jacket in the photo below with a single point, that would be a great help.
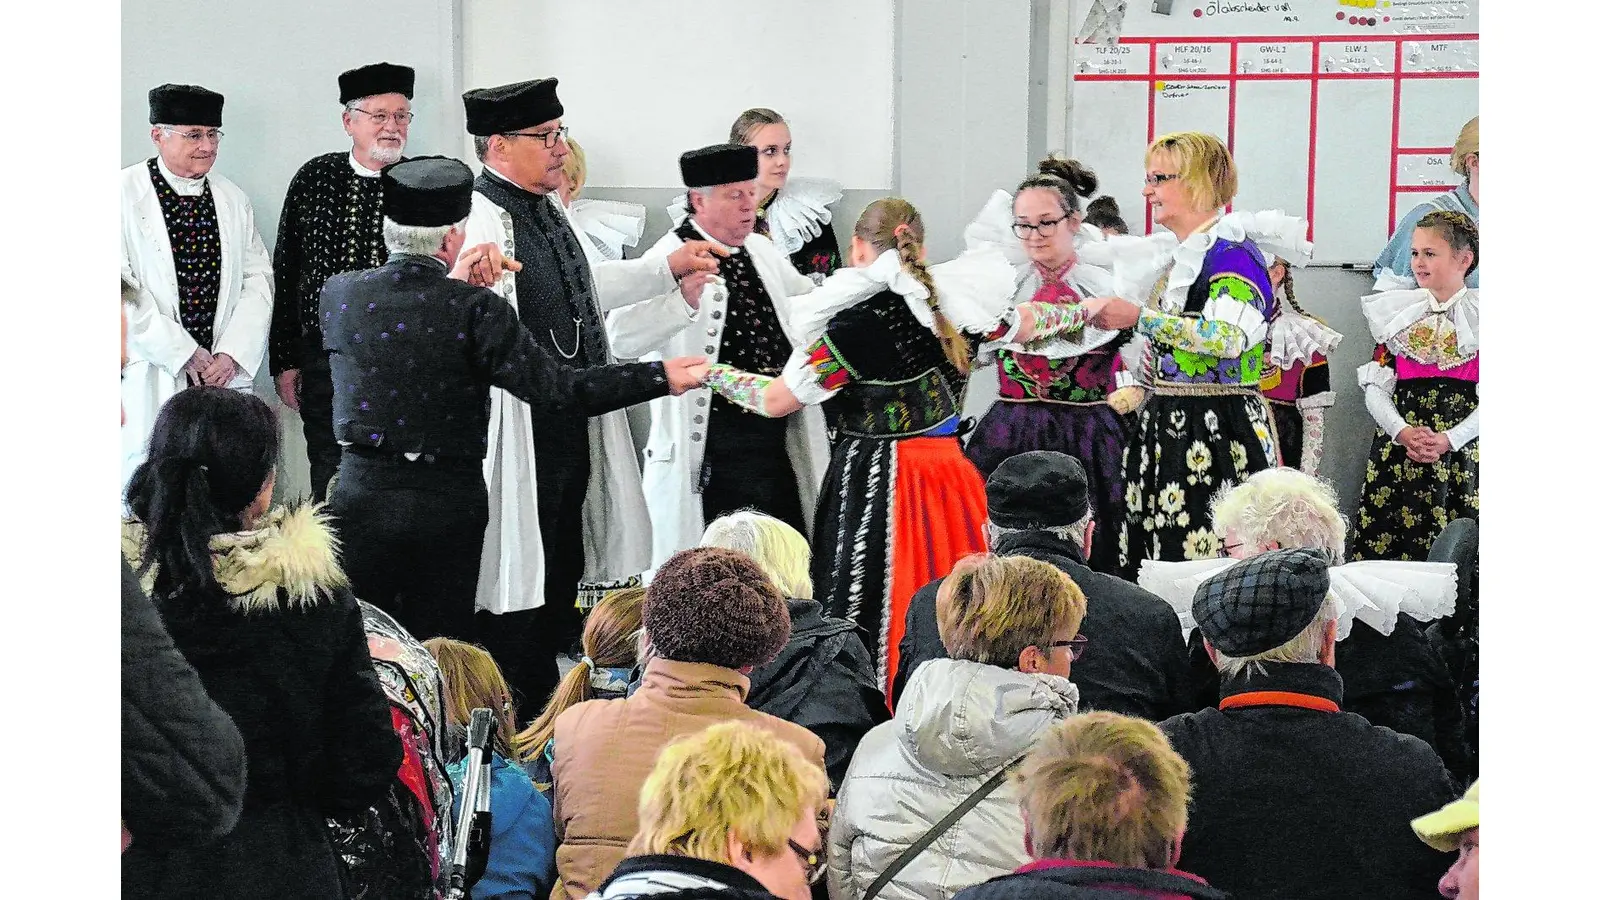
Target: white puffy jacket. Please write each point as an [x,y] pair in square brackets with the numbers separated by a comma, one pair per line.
[956,725]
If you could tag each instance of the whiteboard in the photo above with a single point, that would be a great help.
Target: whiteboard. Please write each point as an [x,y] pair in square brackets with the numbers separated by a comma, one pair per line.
[642,81]
[1342,111]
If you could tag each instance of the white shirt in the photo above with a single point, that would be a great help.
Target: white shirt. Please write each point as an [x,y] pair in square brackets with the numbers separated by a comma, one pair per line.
[361,170]
[185,187]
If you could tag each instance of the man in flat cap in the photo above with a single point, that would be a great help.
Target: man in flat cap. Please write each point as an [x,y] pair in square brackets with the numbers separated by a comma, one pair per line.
[413,354]
[191,247]
[567,505]
[331,223]
[707,457]
[1293,797]
[1135,663]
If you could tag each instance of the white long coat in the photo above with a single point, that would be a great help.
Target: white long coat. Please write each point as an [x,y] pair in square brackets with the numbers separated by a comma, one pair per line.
[666,326]
[158,345]
[616,524]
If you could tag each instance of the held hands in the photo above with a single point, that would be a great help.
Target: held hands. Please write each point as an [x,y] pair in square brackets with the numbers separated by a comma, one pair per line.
[289,388]
[685,373]
[195,368]
[221,370]
[1423,444]
[694,256]
[481,266]
[1112,313]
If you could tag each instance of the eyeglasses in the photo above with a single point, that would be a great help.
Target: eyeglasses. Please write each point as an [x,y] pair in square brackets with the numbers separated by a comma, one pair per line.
[1076,646]
[549,138]
[1044,229]
[1225,550]
[207,135]
[815,865]
[1159,178]
[383,118]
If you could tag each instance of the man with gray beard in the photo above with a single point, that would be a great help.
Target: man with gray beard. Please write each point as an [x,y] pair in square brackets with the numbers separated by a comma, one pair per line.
[332,223]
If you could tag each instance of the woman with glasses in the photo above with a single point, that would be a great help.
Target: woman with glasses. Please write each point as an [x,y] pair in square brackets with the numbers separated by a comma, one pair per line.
[1070,394]
[732,811]
[1011,626]
[1203,332]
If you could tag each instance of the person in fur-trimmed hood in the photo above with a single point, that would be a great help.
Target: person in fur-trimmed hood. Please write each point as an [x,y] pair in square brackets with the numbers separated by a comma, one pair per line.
[258,604]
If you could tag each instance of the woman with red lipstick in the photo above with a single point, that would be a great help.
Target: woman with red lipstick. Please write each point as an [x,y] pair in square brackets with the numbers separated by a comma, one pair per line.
[1422,390]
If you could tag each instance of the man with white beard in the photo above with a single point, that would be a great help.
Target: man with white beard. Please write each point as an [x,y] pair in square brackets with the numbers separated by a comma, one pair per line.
[332,223]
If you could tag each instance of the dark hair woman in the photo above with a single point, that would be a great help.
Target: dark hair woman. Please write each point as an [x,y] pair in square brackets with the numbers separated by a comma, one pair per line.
[257,602]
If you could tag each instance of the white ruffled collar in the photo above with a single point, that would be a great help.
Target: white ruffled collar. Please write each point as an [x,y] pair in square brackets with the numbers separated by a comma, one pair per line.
[1294,339]
[610,225]
[1373,591]
[797,214]
[1391,313]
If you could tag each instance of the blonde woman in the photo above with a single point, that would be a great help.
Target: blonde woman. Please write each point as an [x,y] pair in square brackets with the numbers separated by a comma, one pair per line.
[1011,625]
[823,678]
[610,655]
[609,226]
[698,838]
[522,840]
[1392,271]
[891,341]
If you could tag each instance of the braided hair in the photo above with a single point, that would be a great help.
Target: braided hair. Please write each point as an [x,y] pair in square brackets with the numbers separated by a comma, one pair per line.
[894,224]
[1457,229]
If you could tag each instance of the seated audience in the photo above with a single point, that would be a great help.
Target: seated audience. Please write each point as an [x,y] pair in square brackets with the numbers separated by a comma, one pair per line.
[1105,801]
[1399,680]
[522,835]
[610,655]
[823,678]
[257,603]
[1039,508]
[711,616]
[699,839]
[1294,797]
[1011,624]
[1454,829]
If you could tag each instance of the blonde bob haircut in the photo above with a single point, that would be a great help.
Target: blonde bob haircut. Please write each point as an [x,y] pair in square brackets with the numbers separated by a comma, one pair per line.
[1283,506]
[730,779]
[1104,787]
[575,167]
[1466,145]
[1203,166]
[991,608]
[777,548]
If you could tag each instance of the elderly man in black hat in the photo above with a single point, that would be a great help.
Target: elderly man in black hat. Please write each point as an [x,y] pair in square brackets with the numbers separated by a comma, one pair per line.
[706,456]
[1136,662]
[332,222]
[1293,797]
[191,248]
[567,505]
[413,354]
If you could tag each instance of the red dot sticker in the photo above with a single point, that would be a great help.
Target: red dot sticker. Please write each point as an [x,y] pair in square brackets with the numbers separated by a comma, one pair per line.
[1337,15]
[1386,20]
[1198,13]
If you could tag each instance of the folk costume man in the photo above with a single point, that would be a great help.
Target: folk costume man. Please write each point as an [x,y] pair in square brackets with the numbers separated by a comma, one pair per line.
[706,456]
[332,222]
[413,354]
[565,499]
[191,248]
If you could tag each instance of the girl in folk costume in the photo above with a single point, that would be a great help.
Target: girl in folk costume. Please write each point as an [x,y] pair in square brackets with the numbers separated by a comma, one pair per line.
[1295,379]
[1422,389]
[1064,394]
[1204,329]
[608,226]
[893,340]
[1392,270]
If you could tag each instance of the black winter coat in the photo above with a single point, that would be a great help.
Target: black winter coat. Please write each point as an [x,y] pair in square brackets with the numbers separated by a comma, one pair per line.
[1135,662]
[1293,800]
[1090,883]
[183,767]
[285,654]
[823,680]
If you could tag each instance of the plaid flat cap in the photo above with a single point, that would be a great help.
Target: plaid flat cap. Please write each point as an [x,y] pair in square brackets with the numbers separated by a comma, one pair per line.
[1263,602]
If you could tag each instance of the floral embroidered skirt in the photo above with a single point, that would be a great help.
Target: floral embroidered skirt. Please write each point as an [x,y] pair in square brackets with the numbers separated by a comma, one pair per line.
[1290,426]
[1404,505]
[1092,432]
[1186,449]
[895,514]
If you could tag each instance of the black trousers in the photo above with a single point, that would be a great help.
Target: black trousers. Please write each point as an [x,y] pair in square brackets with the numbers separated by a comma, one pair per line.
[412,536]
[747,467]
[316,412]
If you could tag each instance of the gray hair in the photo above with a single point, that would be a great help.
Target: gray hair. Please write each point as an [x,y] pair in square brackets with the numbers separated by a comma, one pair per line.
[1302,648]
[421,240]
[480,145]
[1076,534]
